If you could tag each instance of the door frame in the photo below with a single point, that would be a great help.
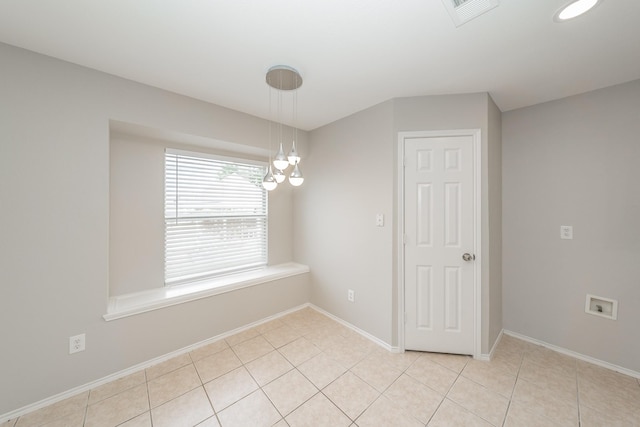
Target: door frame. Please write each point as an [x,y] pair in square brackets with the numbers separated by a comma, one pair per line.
[476,135]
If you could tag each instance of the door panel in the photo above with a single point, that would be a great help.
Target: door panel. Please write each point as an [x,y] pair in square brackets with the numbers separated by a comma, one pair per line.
[439,227]
[424,217]
[424,298]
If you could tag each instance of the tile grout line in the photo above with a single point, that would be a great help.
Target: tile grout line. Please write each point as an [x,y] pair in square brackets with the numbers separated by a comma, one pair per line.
[447,394]
[202,383]
[514,388]
[443,397]
[86,410]
[296,369]
[353,420]
[321,390]
[578,394]
[361,379]
[146,380]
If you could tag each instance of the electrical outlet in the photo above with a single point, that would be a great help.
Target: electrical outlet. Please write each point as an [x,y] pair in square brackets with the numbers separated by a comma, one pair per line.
[76,343]
[351,295]
[566,232]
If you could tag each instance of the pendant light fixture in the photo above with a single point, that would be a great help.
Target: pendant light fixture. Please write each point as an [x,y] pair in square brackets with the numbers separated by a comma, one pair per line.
[283,79]
[269,181]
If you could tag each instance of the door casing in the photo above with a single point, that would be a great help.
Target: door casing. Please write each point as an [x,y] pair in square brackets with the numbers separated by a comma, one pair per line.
[476,135]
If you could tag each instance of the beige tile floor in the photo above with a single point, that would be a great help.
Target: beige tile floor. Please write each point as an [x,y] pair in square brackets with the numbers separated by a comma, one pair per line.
[305,369]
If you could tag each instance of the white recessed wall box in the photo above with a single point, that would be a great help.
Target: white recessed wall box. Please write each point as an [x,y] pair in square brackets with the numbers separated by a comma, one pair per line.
[462,11]
[603,307]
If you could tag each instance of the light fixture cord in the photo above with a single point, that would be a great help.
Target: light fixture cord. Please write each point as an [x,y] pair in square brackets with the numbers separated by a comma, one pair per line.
[280,73]
[295,113]
[270,123]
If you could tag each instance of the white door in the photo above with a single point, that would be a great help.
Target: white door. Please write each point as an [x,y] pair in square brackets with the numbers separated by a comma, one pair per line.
[439,228]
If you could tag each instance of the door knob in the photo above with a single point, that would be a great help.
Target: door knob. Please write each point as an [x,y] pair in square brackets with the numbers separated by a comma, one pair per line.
[468,257]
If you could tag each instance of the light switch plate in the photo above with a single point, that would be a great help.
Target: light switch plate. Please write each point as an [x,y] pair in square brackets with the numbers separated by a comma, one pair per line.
[380,220]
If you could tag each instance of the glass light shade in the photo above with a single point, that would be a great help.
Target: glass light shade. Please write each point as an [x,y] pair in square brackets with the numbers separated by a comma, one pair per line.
[296,179]
[279,176]
[293,156]
[280,161]
[269,182]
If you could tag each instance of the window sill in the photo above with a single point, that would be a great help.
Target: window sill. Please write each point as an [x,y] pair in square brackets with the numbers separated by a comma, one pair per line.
[140,302]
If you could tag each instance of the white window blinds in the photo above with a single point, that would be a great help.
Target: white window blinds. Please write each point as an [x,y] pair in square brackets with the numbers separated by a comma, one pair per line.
[215,216]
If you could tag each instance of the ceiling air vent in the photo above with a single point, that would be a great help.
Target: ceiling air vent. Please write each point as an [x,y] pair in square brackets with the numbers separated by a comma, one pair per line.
[462,11]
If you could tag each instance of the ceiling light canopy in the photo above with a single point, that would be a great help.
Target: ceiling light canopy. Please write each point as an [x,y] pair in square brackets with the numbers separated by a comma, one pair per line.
[575,9]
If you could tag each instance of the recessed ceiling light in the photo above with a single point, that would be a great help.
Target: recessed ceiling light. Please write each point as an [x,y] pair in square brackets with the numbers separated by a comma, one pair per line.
[575,9]
[463,11]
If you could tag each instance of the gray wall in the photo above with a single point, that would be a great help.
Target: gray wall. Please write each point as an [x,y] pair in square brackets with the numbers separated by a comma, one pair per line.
[492,318]
[352,171]
[470,111]
[350,178]
[575,161]
[54,223]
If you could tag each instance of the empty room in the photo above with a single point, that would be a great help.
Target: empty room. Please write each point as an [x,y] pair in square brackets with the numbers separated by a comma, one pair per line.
[304,213]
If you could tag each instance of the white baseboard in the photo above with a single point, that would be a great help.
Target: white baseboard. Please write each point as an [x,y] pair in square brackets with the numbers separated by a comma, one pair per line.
[365,334]
[487,357]
[578,356]
[144,365]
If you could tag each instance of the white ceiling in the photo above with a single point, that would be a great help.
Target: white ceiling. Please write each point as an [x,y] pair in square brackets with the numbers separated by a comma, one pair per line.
[352,54]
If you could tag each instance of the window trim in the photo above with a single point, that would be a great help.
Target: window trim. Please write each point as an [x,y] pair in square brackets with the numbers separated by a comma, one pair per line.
[141,302]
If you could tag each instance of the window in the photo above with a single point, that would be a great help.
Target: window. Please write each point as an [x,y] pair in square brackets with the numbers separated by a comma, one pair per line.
[215,216]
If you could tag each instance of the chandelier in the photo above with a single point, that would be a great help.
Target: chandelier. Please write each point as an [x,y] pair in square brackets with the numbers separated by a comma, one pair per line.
[283,79]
